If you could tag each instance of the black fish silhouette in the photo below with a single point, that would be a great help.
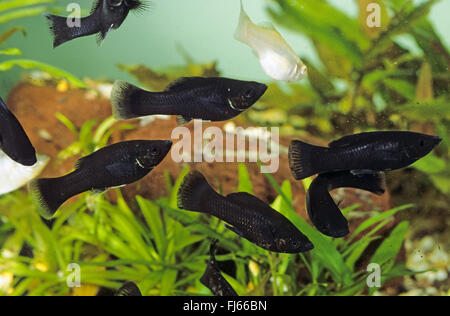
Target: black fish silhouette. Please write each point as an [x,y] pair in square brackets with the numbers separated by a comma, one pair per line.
[250,217]
[112,166]
[361,153]
[14,142]
[323,212]
[105,16]
[213,279]
[129,289]
[210,99]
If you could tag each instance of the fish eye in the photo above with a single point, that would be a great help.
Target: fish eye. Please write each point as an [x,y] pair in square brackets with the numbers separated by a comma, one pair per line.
[229,90]
[422,143]
[155,151]
[115,3]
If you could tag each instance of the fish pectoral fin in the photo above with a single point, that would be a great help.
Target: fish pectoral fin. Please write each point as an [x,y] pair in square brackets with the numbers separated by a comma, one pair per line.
[102,35]
[182,120]
[361,172]
[234,230]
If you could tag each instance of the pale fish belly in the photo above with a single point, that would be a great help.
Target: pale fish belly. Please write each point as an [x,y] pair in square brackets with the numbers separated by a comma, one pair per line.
[14,175]
[278,66]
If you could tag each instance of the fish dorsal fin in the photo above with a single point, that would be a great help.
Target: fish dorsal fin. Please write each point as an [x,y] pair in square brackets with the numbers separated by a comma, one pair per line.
[249,201]
[82,162]
[185,83]
[97,4]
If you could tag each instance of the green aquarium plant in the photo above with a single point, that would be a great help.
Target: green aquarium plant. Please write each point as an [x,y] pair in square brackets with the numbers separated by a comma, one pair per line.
[12,10]
[164,249]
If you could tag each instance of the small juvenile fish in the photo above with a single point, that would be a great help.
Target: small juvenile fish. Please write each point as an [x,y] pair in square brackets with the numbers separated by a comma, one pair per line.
[14,142]
[105,16]
[129,289]
[213,279]
[14,175]
[278,60]
[322,210]
[360,153]
[210,99]
[112,166]
[250,217]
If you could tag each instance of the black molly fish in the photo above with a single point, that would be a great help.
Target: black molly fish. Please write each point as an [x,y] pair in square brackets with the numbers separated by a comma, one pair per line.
[105,16]
[213,279]
[129,289]
[360,153]
[323,212]
[209,99]
[248,216]
[14,142]
[112,166]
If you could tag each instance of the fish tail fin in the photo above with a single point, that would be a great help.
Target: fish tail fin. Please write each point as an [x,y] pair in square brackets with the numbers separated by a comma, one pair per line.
[60,30]
[193,191]
[244,22]
[302,159]
[123,99]
[44,193]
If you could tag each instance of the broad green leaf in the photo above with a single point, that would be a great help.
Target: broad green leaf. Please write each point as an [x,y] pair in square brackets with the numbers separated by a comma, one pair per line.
[390,247]
[21,13]
[13,4]
[430,164]
[245,184]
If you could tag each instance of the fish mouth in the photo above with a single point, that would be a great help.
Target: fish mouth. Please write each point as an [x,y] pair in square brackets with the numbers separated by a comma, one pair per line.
[437,139]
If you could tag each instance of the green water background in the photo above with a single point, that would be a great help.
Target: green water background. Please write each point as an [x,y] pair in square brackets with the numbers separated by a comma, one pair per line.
[204,28]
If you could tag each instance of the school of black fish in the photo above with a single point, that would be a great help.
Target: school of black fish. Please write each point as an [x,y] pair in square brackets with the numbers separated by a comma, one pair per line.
[354,161]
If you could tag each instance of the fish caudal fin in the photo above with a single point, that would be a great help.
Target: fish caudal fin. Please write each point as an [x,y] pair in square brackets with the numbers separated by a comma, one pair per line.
[60,30]
[193,191]
[244,22]
[302,159]
[44,193]
[122,100]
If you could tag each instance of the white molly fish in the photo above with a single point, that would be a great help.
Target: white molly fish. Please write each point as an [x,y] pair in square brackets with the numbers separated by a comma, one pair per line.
[278,60]
[13,175]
